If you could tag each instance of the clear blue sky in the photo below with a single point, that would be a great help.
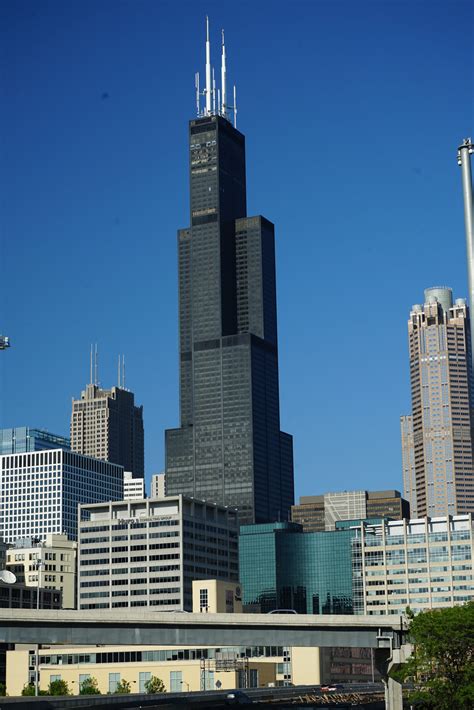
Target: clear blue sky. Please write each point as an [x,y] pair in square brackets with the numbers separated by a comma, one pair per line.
[352,111]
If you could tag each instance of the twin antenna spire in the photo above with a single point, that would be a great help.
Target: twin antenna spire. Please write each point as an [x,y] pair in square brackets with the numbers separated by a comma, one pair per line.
[215,105]
[94,375]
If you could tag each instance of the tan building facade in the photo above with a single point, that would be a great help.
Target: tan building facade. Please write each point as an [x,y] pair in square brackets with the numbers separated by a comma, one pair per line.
[181,669]
[441,433]
[320,513]
[106,424]
[214,596]
[51,565]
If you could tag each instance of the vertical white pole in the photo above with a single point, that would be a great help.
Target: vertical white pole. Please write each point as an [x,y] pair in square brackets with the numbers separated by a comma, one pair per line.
[38,563]
[464,160]
[213,92]
[235,107]
[208,70]
[196,84]
[223,77]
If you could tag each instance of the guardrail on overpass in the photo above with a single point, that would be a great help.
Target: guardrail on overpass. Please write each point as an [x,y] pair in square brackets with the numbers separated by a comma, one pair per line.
[147,627]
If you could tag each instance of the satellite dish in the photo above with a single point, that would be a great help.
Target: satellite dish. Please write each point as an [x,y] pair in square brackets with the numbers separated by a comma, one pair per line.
[7,576]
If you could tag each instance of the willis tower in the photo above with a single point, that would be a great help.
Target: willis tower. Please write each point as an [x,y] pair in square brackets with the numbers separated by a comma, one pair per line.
[229,448]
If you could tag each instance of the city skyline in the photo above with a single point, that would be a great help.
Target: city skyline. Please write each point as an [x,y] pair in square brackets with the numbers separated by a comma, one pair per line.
[329,371]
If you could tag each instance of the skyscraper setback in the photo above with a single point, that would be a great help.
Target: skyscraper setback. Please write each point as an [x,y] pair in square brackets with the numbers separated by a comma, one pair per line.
[437,438]
[229,448]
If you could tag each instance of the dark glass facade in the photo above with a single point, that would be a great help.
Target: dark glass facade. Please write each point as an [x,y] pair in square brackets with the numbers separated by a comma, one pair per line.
[229,448]
[282,567]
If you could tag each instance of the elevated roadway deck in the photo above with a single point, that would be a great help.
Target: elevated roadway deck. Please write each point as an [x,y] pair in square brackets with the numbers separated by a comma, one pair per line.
[146,627]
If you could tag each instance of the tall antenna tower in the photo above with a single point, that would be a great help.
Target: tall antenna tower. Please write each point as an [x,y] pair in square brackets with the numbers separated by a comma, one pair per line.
[215,97]
[465,151]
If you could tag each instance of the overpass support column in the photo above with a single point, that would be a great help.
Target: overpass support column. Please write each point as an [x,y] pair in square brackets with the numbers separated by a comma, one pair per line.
[387,659]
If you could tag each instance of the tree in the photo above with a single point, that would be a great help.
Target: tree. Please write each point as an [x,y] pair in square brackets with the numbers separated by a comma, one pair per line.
[123,686]
[442,664]
[29,689]
[3,690]
[58,687]
[155,685]
[89,686]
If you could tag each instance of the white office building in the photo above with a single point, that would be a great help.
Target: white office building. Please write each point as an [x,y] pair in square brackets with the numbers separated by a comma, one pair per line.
[424,564]
[148,552]
[40,491]
[132,487]
[158,485]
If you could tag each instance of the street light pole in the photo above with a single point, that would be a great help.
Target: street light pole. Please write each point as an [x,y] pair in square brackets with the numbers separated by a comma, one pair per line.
[39,563]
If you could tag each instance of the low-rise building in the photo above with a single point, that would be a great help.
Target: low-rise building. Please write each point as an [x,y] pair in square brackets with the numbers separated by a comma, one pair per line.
[214,596]
[148,552]
[183,669]
[51,565]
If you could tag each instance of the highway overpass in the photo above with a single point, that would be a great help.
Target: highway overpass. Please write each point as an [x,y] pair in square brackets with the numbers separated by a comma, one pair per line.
[146,627]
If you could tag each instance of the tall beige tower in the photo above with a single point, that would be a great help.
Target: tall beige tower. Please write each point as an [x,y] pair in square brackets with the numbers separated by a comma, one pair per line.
[437,439]
[106,424]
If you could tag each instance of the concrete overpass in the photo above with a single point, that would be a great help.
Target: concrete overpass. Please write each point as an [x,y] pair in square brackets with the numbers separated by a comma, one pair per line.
[146,627]
[386,634]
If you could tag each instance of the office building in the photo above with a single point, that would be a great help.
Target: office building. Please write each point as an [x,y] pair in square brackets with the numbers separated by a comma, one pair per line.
[158,485]
[19,596]
[182,669]
[229,448]
[22,439]
[408,462]
[423,564]
[281,567]
[40,491]
[133,487]
[148,552]
[323,512]
[437,441]
[51,565]
[214,596]
[106,424]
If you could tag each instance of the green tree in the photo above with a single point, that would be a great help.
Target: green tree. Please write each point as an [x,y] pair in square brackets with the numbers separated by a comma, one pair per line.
[442,664]
[123,687]
[3,690]
[89,686]
[155,685]
[29,689]
[58,687]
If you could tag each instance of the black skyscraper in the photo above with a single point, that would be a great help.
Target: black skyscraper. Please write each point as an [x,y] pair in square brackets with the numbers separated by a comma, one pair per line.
[229,449]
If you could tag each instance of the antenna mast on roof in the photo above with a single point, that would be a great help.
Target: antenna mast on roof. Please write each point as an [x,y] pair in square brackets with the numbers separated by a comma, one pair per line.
[465,150]
[198,95]
[208,70]
[235,107]
[223,77]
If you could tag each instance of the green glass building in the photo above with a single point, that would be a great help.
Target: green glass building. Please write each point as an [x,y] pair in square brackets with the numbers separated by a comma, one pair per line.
[281,567]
